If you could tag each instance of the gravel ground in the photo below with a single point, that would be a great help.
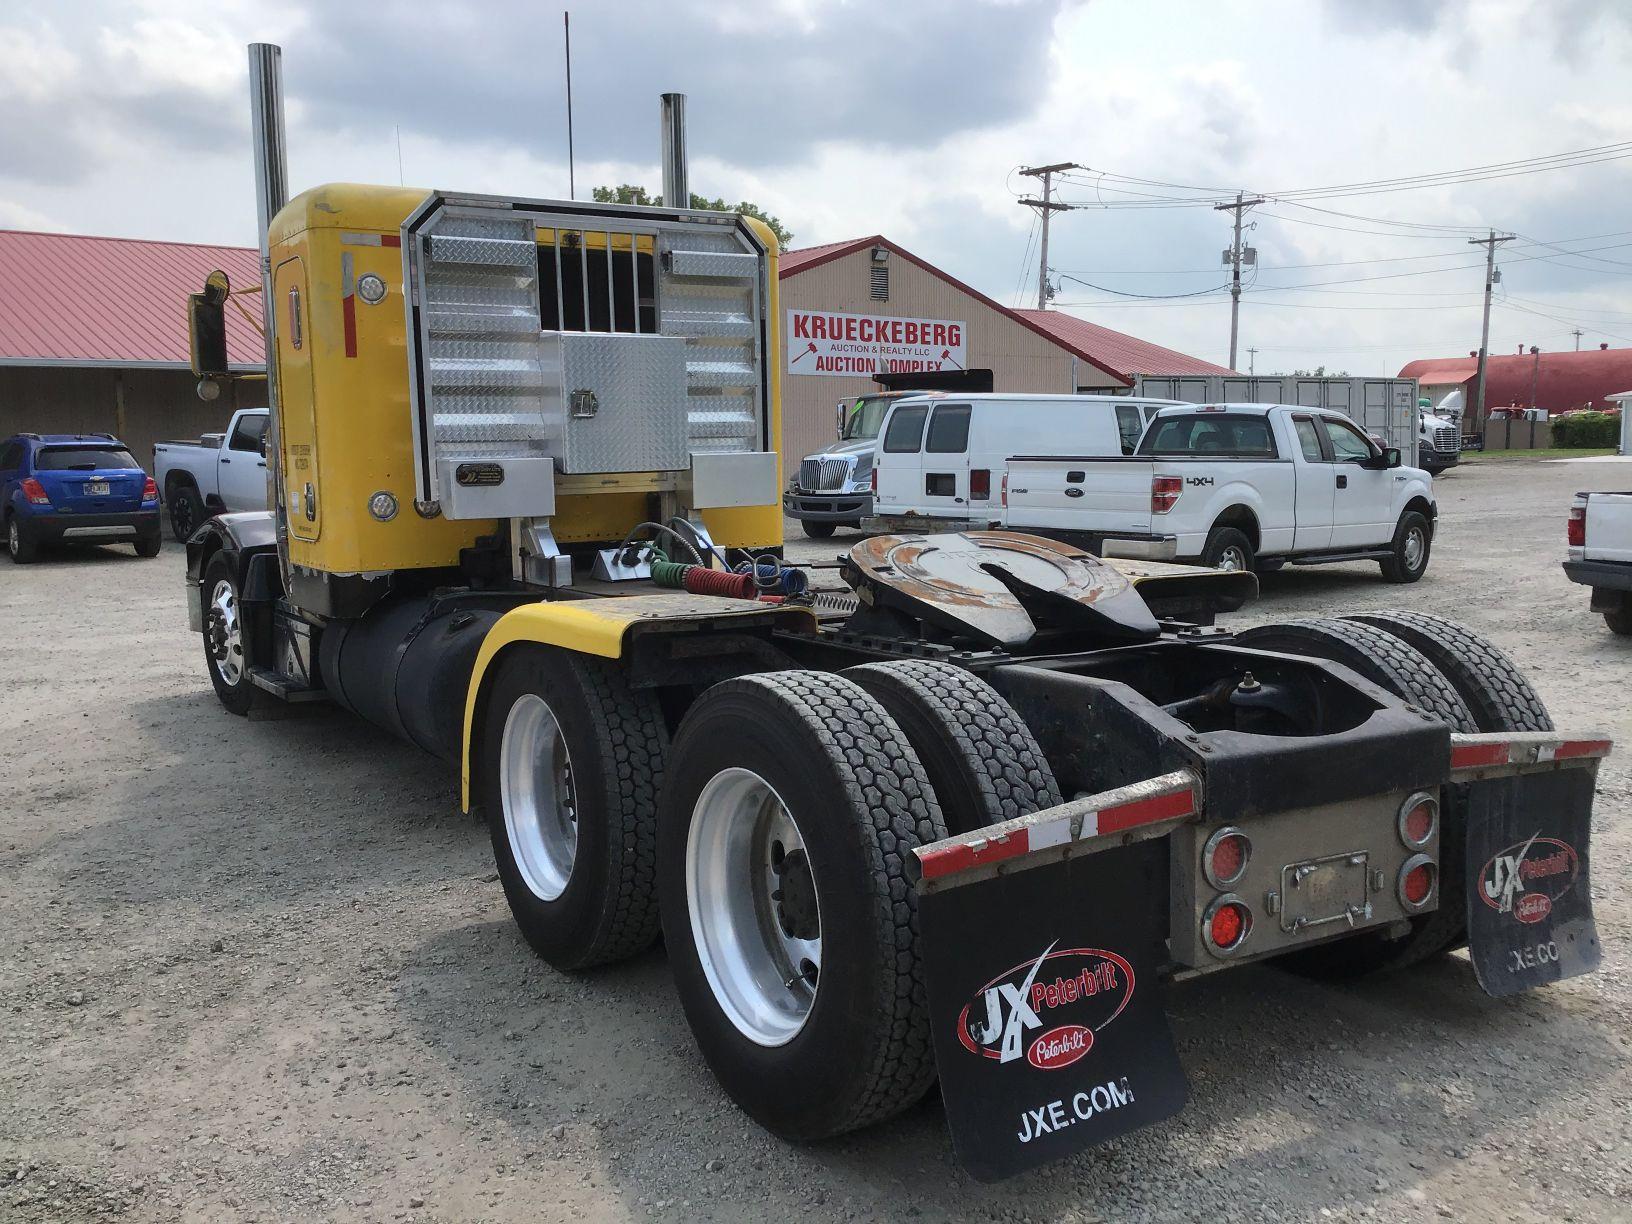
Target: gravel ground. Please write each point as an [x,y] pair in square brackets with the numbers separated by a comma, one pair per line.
[264,971]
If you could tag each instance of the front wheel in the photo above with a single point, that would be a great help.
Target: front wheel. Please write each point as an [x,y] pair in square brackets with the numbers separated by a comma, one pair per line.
[1408,554]
[226,636]
[816,531]
[786,831]
[571,761]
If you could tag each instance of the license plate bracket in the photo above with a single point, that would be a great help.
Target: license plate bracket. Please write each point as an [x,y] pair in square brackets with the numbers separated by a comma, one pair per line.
[1317,892]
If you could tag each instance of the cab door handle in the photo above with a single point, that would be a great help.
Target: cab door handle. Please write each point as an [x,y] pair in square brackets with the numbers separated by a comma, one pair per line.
[1342,482]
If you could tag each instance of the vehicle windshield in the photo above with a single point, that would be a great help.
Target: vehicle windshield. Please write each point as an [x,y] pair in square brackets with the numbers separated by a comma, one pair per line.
[864,418]
[83,458]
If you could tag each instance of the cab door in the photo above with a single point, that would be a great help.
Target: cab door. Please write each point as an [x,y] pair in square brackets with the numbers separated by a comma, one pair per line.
[241,464]
[1316,486]
[1362,497]
[946,463]
[296,407]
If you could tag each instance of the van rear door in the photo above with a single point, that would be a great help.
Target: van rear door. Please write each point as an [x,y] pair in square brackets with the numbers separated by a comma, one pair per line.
[946,462]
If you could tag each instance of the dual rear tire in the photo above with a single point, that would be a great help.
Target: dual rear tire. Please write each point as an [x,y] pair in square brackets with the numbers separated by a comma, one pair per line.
[774,838]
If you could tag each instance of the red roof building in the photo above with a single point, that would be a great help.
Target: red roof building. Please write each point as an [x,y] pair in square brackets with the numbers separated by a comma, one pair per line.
[93,336]
[1561,380]
[1126,355]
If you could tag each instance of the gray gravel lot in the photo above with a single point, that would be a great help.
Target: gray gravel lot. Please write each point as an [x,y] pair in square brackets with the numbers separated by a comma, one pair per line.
[264,971]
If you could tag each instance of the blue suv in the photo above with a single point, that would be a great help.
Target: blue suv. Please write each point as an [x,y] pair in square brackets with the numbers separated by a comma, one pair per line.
[75,489]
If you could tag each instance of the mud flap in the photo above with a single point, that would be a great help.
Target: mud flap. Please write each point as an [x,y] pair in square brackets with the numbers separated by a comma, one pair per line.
[1529,895]
[1049,1028]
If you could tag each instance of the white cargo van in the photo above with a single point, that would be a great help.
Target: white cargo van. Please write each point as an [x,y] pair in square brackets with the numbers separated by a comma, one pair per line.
[944,456]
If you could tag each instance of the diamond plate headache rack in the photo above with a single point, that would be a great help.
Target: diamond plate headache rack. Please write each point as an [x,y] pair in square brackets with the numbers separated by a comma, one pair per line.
[1089,823]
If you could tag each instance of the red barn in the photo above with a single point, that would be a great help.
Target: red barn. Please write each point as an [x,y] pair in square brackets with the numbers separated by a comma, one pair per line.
[1561,380]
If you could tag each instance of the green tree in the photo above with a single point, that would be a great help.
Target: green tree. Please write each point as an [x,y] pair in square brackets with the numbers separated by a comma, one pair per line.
[632,193]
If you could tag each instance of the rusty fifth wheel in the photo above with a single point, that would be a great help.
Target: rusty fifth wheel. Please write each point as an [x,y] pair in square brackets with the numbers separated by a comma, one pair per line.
[569,768]
[790,812]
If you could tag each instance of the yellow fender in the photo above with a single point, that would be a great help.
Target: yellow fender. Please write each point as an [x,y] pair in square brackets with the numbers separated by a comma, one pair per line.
[603,627]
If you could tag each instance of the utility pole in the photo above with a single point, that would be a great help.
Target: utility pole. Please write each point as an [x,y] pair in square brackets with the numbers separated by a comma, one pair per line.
[1048,207]
[1252,361]
[1578,333]
[1233,258]
[1490,244]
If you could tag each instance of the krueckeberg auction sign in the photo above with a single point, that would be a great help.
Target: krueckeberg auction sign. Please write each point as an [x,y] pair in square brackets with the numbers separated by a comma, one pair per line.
[824,342]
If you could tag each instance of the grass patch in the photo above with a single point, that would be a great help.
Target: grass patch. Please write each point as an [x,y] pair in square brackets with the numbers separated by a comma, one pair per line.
[1556,452]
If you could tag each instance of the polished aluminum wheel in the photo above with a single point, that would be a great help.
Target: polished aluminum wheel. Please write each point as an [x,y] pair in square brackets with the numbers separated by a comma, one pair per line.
[223,633]
[751,895]
[1416,545]
[540,803]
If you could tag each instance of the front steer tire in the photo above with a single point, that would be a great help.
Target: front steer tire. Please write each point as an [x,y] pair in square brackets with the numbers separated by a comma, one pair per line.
[227,637]
[1409,550]
[985,762]
[1394,665]
[816,531]
[616,742]
[860,802]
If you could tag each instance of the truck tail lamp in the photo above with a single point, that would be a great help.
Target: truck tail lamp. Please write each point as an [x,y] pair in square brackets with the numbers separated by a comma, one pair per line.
[1577,531]
[1004,486]
[150,490]
[1419,877]
[1164,493]
[1224,858]
[35,492]
[1419,820]
[980,484]
[1226,925]
[873,481]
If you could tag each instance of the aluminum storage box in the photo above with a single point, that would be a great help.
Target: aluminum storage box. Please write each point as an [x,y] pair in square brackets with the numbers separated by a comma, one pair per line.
[623,397]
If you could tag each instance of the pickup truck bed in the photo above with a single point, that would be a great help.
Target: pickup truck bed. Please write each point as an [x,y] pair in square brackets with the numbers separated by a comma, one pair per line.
[1600,535]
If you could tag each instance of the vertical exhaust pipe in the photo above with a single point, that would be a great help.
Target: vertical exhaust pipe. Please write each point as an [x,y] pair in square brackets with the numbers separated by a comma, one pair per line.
[271,194]
[676,187]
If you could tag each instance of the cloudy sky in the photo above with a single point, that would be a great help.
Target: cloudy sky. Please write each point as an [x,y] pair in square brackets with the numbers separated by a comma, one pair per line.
[909,118]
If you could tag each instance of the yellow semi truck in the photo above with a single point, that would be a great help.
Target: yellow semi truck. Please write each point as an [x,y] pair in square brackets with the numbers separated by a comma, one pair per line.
[963,820]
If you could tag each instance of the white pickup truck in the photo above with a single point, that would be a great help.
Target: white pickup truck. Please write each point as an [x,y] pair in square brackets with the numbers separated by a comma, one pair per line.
[215,473]
[1600,539]
[1235,486]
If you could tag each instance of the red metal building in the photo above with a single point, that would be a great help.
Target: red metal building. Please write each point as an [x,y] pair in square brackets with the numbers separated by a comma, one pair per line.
[1561,380]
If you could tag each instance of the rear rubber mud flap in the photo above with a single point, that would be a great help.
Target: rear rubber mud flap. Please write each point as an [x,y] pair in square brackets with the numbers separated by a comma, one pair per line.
[1049,1028]
[1529,893]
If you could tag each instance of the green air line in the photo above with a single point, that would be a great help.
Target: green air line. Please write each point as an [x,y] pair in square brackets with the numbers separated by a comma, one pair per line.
[669,573]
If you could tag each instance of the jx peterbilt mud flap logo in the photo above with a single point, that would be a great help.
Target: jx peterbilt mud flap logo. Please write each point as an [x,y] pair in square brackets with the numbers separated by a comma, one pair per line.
[1047,1010]
[1525,879]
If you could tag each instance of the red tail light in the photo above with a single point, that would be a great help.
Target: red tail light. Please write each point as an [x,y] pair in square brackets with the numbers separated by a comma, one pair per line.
[1419,818]
[1416,882]
[150,490]
[1577,533]
[980,484]
[1164,493]
[1005,488]
[1224,858]
[875,481]
[1226,925]
[35,492]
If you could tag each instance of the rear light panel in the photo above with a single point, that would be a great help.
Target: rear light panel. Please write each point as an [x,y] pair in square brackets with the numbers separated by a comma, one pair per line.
[873,480]
[150,490]
[35,492]
[980,484]
[1577,530]
[1164,493]
[1005,488]
[1419,820]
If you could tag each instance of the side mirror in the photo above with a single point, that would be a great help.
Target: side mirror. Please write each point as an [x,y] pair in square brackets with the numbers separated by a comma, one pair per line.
[1388,458]
[207,327]
[839,429]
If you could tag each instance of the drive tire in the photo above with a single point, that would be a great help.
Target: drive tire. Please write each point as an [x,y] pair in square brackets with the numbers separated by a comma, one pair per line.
[984,762]
[1394,665]
[1495,690]
[226,637]
[861,802]
[21,546]
[1412,537]
[1228,548]
[616,742]
[187,512]
[816,531]
[149,545]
